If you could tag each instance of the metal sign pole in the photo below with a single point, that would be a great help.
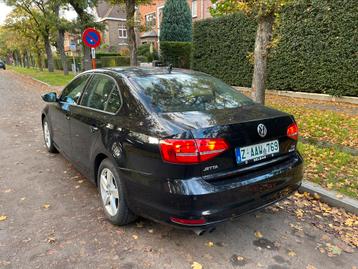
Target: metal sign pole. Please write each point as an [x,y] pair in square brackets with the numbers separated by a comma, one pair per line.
[93,52]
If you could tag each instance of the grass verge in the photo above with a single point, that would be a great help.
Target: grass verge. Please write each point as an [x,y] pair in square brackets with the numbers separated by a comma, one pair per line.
[331,168]
[56,78]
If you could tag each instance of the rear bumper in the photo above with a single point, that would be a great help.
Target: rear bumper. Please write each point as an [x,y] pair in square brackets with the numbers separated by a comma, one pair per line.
[217,201]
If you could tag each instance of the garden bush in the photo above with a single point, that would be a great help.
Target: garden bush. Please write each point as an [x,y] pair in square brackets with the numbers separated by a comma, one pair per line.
[176,53]
[144,50]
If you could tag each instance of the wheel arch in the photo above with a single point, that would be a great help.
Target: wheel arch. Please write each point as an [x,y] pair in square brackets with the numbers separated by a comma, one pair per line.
[97,162]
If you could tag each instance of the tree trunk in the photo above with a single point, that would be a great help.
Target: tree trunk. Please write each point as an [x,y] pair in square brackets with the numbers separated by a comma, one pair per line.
[39,59]
[87,61]
[61,49]
[27,58]
[60,41]
[262,44]
[50,63]
[132,43]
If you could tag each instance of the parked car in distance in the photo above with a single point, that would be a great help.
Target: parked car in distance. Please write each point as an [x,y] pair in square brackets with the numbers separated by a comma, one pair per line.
[2,65]
[175,146]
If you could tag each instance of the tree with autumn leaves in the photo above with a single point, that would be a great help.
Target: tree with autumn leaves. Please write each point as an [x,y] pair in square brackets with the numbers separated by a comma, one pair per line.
[266,12]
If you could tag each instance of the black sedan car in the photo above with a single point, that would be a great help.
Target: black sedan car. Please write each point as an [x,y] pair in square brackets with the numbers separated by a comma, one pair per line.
[2,65]
[176,146]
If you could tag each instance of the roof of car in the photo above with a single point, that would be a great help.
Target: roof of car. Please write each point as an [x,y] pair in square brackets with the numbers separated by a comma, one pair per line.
[146,71]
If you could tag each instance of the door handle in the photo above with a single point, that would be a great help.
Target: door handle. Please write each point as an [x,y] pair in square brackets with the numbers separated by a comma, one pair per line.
[93,129]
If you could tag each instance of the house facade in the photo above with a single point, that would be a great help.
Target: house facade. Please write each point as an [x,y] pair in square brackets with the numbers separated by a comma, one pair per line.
[152,14]
[114,36]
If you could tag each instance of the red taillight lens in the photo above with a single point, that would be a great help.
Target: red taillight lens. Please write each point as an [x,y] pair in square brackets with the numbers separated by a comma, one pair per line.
[292,131]
[191,150]
[209,148]
[179,151]
[188,221]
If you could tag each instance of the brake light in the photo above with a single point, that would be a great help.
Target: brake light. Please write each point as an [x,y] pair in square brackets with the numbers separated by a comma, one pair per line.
[191,150]
[292,131]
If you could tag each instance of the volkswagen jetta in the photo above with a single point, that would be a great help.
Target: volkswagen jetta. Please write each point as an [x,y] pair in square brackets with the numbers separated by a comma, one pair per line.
[176,146]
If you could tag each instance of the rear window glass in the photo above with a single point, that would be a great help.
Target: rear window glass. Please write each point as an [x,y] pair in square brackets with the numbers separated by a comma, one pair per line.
[188,92]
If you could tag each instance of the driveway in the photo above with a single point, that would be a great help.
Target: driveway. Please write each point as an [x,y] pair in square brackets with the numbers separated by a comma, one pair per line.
[54,218]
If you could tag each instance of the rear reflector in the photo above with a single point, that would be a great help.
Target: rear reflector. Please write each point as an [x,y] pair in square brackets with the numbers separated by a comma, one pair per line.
[188,151]
[188,221]
[292,131]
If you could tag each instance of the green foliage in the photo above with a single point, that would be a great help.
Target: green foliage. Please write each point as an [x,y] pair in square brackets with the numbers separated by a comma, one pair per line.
[113,61]
[176,53]
[221,47]
[317,51]
[256,7]
[177,22]
[315,48]
[144,50]
[56,78]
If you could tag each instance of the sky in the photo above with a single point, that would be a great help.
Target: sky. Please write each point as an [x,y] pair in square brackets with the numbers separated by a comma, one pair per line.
[4,10]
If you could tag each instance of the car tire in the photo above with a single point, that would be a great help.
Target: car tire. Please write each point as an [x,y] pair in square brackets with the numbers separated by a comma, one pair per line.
[112,195]
[47,133]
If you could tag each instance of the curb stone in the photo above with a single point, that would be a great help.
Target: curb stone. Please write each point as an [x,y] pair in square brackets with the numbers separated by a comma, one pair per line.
[332,198]
[307,95]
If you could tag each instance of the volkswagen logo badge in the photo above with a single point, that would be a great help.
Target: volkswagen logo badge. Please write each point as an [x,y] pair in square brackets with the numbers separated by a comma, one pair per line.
[261,130]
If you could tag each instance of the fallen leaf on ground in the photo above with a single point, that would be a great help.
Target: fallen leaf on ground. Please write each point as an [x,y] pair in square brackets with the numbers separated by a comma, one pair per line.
[210,244]
[51,240]
[333,250]
[196,265]
[150,231]
[2,218]
[135,237]
[339,196]
[291,253]
[310,267]
[46,206]
[258,234]
[23,198]
[316,196]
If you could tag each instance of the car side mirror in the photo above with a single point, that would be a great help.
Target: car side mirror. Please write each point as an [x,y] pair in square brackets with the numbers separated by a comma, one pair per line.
[50,97]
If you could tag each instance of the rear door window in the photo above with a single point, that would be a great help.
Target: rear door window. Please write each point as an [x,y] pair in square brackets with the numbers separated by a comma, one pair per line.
[98,91]
[102,94]
[73,91]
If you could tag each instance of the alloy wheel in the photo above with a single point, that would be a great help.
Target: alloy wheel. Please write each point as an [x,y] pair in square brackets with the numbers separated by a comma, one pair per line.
[47,135]
[109,192]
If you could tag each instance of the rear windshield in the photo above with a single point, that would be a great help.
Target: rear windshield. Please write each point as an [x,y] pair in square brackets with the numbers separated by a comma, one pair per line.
[188,92]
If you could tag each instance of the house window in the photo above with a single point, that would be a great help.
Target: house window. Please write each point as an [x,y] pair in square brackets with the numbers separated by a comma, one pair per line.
[150,21]
[194,8]
[122,31]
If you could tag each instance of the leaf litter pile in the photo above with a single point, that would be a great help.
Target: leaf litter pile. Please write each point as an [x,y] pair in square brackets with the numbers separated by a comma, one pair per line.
[333,221]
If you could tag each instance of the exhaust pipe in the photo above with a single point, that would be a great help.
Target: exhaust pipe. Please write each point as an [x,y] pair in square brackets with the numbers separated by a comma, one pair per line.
[200,232]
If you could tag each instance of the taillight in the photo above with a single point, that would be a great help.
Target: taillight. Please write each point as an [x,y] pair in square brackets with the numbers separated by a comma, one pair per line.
[191,150]
[292,131]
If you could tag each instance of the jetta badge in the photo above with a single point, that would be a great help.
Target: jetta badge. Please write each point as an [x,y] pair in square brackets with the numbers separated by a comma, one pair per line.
[261,130]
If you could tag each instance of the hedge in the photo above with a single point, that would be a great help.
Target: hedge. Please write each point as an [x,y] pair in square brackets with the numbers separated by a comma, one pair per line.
[113,61]
[316,52]
[176,53]
[318,49]
[221,47]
